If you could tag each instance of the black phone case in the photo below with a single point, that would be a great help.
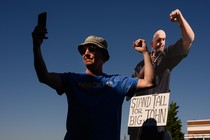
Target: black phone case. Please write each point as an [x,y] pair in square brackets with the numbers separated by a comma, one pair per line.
[42,18]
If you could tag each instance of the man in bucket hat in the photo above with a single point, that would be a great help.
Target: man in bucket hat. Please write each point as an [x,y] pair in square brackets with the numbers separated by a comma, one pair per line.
[97,42]
[94,98]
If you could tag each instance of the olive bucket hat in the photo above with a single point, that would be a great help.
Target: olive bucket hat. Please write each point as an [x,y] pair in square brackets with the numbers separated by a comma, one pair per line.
[98,41]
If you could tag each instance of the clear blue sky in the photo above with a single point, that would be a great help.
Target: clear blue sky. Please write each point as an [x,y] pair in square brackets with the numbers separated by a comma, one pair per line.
[31,110]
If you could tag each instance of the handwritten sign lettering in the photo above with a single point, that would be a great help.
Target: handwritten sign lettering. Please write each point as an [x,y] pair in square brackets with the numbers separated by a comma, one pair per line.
[148,106]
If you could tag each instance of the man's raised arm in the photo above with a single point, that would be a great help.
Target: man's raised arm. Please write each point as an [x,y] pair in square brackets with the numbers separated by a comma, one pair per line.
[51,79]
[147,80]
[187,32]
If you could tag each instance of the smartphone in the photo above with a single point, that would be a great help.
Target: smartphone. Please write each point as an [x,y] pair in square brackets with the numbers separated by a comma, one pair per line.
[42,19]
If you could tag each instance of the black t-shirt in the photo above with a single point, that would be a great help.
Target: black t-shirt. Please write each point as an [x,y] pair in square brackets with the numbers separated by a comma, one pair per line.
[167,60]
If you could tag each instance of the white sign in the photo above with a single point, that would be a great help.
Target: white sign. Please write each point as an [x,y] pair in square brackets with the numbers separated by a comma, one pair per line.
[149,106]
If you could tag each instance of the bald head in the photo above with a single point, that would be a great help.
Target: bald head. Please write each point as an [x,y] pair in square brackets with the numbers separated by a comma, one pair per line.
[158,41]
[159,34]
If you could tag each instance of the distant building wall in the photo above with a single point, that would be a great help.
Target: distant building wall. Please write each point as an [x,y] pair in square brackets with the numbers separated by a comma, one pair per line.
[198,130]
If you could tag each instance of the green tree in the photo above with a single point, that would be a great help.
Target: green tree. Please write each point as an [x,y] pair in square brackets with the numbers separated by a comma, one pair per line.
[174,124]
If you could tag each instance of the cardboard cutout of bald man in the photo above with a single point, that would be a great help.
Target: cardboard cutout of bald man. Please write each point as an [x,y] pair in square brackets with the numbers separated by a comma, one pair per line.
[164,59]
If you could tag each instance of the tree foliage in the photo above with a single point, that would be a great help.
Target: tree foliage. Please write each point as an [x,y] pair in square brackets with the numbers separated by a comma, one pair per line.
[174,124]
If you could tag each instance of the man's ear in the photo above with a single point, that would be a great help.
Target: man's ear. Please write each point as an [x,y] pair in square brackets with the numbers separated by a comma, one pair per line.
[103,57]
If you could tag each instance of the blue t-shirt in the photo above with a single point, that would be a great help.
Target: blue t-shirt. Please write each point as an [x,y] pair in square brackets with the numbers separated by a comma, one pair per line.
[95,105]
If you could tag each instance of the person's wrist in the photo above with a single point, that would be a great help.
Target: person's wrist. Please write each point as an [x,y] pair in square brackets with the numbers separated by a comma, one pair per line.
[145,52]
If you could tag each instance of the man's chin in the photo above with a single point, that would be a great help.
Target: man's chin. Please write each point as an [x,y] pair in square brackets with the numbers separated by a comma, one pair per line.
[88,63]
